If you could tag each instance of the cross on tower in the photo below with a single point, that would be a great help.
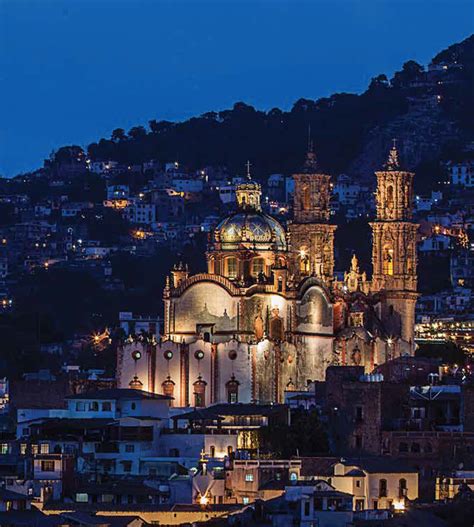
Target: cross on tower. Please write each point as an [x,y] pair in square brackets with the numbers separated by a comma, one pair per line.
[248,165]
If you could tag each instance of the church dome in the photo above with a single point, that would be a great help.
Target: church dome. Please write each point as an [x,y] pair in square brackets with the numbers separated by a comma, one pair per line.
[251,228]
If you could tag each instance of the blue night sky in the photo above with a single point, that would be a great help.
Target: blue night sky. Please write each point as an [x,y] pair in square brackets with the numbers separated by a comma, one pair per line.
[71,71]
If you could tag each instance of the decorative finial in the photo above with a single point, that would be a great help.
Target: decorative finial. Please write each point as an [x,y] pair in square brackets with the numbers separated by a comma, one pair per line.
[393,162]
[354,263]
[248,165]
[310,164]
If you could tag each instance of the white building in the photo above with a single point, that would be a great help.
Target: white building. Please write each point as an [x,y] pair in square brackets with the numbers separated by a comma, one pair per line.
[118,192]
[134,325]
[462,173]
[141,212]
[375,483]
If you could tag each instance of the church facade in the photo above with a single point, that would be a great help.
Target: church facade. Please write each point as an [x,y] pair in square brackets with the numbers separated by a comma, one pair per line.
[268,316]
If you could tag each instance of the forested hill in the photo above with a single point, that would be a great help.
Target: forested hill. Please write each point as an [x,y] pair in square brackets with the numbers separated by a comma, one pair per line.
[430,109]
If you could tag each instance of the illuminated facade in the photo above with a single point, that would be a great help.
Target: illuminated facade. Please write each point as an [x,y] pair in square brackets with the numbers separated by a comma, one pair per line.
[268,315]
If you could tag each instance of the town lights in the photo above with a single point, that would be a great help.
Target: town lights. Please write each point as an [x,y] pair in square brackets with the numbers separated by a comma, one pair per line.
[203,500]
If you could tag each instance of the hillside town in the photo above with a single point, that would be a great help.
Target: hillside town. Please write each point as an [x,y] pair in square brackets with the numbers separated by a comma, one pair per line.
[190,344]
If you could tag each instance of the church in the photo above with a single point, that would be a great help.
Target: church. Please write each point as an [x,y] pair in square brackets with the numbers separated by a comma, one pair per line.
[269,316]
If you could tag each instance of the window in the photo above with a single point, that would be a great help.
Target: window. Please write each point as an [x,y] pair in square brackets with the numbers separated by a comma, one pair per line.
[47,466]
[94,406]
[133,406]
[415,448]
[387,261]
[80,406]
[129,448]
[402,487]
[306,198]
[383,488]
[428,448]
[34,449]
[44,448]
[359,505]
[376,505]
[358,483]
[82,497]
[304,261]
[359,413]
[245,500]
[23,449]
[127,466]
[4,448]
[231,264]
[212,450]
[306,508]
[248,477]
[107,406]
[258,266]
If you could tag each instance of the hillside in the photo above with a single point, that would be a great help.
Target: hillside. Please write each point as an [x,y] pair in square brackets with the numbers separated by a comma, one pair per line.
[430,110]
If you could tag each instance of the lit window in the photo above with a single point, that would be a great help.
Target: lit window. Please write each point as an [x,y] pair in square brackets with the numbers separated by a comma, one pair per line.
[4,448]
[258,266]
[44,448]
[47,466]
[231,267]
[82,497]
[248,477]
[245,500]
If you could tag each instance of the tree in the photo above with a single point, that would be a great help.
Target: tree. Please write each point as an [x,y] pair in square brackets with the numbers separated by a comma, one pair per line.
[118,135]
[137,132]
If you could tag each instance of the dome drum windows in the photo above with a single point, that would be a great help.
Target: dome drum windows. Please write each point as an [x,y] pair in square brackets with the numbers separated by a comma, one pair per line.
[258,267]
[231,267]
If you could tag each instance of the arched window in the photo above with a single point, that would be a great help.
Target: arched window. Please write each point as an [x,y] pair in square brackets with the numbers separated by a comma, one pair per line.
[390,200]
[258,266]
[232,387]
[304,261]
[305,198]
[212,451]
[200,392]
[168,388]
[231,267]
[402,488]
[387,261]
[415,448]
[382,488]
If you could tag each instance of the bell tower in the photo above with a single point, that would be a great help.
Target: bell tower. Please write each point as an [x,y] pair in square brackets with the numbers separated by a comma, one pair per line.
[394,257]
[311,235]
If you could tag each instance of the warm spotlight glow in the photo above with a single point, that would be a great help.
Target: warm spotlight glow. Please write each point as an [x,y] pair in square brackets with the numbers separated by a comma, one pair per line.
[203,500]
[399,506]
